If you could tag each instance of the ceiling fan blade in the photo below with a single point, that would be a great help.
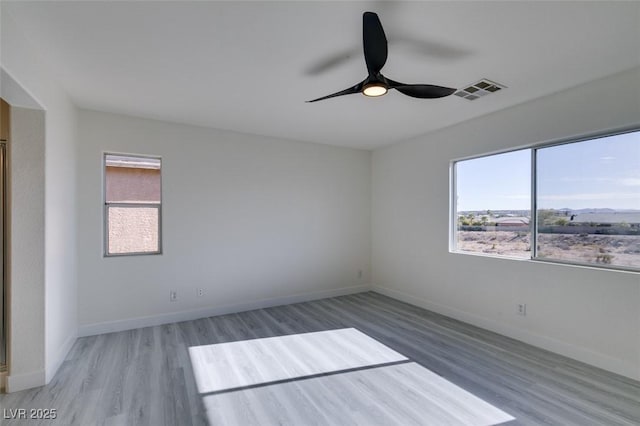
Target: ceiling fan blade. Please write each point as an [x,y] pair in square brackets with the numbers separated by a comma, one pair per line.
[374,42]
[424,91]
[332,61]
[428,48]
[350,91]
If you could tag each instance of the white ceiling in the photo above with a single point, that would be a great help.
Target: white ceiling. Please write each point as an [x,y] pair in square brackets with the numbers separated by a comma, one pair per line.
[249,66]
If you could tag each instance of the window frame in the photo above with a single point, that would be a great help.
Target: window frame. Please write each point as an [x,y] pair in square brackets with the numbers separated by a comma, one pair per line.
[453,198]
[533,222]
[106,205]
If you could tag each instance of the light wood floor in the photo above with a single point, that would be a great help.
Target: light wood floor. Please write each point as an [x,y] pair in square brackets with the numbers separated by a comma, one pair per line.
[145,376]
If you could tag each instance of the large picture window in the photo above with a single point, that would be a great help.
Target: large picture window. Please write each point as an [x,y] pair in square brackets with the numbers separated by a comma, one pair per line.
[132,205]
[586,198]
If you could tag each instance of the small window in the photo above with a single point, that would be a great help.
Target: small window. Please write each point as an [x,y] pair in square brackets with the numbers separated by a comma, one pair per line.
[493,205]
[588,201]
[132,205]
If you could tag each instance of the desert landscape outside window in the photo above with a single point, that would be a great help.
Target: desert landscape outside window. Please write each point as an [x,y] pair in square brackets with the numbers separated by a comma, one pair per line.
[133,204]
[493,205]
[587,203]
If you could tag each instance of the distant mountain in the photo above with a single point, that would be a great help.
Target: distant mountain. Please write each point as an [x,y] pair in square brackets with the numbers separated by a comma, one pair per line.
[585,211]
[565,210]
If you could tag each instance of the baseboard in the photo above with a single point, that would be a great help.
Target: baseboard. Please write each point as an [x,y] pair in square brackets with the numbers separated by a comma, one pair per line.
[19,382]
[562,348]
[149,321]
[54,363]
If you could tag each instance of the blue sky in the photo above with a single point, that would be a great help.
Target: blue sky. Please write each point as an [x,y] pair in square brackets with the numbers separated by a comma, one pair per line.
[602,173]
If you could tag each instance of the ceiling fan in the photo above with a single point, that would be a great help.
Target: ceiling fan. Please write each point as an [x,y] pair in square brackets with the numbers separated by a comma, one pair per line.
[375,55]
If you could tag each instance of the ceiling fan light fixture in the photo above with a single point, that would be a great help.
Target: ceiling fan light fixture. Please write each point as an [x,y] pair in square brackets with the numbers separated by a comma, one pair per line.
[374,89]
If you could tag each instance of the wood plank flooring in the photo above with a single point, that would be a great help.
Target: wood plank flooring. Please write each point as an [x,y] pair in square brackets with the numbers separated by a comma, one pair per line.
[145,376]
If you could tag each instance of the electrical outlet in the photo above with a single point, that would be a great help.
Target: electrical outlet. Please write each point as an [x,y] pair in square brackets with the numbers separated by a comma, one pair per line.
[173,296]
[200,292]
[521,309]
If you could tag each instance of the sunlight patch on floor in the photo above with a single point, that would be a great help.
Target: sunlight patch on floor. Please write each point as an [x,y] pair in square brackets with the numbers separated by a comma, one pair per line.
[232,365]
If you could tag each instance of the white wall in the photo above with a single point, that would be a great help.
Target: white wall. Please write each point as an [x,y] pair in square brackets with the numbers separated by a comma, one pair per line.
[22,62]
[585,313]
[26,248]
[254,221]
